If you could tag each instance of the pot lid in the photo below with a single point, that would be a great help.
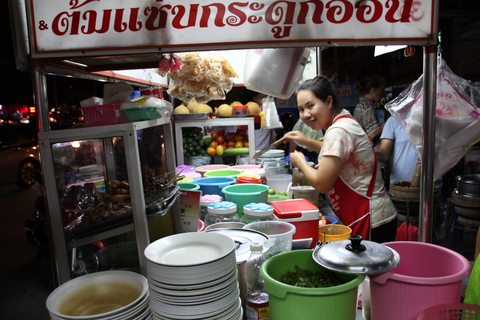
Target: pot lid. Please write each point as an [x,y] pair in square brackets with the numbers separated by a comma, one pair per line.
[356,256]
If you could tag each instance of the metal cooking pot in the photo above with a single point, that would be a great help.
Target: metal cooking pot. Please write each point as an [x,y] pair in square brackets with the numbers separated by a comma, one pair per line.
[469,185]
[356,256]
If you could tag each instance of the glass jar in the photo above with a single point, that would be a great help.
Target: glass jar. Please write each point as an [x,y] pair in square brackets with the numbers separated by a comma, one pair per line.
[257,212]
[223,211]
[205,201]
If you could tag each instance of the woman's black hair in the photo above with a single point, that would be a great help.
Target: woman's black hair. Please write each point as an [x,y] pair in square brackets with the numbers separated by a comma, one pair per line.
[373,81]
[321,87]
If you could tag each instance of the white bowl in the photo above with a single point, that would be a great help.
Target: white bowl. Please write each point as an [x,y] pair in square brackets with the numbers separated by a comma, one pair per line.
[78,290]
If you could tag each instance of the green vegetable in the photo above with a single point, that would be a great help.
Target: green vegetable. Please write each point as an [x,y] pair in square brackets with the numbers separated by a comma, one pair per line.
[236,151]
[309,279]
[206,141]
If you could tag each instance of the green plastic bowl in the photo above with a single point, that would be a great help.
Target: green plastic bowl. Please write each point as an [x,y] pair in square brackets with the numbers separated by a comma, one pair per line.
[188,186]
[245,193]
[231,173]
[290,302]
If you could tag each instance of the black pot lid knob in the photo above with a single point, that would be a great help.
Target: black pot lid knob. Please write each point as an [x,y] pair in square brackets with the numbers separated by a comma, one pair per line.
[355,244]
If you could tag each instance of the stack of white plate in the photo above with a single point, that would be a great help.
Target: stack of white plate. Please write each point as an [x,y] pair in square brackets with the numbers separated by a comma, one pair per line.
[106,295]
[193,276]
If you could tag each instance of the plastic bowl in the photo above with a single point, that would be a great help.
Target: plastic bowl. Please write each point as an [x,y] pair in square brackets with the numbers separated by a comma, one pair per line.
[279,233]
[333,232]
[245,193]
[210,167]
[214,185]
[290,302]
[232,173]
[188,186]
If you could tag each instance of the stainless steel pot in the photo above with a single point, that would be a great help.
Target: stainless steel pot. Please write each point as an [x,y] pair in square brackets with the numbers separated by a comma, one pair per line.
[469,185]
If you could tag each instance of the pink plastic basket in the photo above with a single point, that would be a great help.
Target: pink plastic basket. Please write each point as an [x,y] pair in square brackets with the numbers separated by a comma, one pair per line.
[427,275]
[451,311]
[103,115]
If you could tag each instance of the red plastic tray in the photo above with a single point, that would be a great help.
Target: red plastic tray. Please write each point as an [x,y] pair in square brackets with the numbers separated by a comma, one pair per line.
[103,115]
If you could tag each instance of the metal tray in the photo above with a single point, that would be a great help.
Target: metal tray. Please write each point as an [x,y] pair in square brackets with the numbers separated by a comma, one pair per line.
[160,200]
[191,116]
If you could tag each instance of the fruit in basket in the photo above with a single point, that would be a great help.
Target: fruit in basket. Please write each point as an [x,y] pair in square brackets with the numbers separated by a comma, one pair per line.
[202,108]
[181,109]
[253,107]
[236,103]
[192,105]
[225,110]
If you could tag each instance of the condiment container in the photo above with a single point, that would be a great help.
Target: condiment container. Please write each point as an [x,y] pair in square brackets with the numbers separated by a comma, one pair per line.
[205,201]
[223,211]
[241,110]
[257,212]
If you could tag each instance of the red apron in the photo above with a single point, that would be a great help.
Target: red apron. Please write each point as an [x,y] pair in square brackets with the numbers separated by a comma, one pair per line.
[351,207]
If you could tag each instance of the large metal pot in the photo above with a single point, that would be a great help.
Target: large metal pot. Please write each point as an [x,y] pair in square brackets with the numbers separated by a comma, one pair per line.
[469,185]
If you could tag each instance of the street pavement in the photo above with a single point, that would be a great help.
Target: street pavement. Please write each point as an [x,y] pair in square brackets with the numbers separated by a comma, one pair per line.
[26,280]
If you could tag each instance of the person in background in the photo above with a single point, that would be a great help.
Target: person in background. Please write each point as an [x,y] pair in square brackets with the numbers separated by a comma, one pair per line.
[347,166]
[401,163]
[396,151]
[370,91]
[263,138]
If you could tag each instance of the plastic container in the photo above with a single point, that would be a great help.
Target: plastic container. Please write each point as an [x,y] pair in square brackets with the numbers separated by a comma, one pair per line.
[188,186]
[210,167]
[333,232]
[201,226]
[144,113]
[308,193]
[240,110]
[214,185]
[279,233]
[193,175]
[290,302]
[184,168]
[223,211]
[232,173]
[279,182]
[256,297]
[103,115]
[205,200]
[304,215]
[244,167]
[253,212]
[245,193]
[451,311]
[248,180]
[427,275]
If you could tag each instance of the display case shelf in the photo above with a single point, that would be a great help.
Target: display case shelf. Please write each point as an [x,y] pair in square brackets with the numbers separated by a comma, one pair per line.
[137,220]
[216,122]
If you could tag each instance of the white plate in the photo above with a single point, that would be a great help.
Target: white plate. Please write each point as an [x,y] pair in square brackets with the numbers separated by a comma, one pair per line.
[194,290]
[201,311]
[194,299]
[189,249]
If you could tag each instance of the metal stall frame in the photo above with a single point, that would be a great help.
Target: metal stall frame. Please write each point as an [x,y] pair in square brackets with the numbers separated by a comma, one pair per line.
[43,56]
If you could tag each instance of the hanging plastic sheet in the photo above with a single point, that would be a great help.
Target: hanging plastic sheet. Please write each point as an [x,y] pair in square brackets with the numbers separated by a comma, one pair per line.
[457,124]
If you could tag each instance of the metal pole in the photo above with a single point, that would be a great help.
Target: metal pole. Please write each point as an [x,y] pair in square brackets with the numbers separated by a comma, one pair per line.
[428,143]
[319,60]
[40,98]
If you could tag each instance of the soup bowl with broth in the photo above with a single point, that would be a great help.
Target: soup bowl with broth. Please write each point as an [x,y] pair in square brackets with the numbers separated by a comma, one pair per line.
[100,295]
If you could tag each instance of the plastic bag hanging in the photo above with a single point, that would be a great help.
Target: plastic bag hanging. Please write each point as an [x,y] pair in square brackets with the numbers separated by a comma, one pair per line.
[457,125]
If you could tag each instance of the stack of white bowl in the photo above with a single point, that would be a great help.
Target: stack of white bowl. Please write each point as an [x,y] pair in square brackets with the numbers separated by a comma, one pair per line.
[193,276]
[105,295]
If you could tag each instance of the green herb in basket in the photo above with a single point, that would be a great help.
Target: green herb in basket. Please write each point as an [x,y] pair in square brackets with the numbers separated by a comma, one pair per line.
[309,279]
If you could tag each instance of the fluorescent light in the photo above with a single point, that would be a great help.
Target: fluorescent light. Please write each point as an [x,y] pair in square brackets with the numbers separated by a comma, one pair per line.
[379,50]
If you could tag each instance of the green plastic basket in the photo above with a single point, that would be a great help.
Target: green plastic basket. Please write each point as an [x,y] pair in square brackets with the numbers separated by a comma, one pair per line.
[188,186]
[245,193]
[290,302]
[142,114]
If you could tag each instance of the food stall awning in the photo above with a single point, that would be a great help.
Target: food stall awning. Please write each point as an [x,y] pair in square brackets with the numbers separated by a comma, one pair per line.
[114,35]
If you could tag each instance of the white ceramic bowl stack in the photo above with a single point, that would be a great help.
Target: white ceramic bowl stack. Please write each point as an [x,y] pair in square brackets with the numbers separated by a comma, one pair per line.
[193,276]
[78,289]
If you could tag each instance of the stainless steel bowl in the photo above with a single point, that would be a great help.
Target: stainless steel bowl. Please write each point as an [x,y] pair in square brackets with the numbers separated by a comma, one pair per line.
[469,185]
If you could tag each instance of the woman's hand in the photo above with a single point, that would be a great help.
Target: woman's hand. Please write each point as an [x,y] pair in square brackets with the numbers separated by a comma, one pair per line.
[302,140]
[296,157]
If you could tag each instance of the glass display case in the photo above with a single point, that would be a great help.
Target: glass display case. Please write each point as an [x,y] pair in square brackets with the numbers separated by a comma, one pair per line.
[105,183]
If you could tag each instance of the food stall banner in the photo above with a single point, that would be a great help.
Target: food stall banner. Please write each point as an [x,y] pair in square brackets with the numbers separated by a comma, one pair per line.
[61,28]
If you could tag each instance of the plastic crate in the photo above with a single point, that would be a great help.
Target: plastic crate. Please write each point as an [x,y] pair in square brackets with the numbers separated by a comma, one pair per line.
[451,311]
[143,113]
[103,115]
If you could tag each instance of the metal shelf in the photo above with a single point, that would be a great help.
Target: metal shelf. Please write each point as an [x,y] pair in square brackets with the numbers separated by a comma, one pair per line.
[218,122]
